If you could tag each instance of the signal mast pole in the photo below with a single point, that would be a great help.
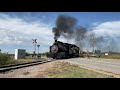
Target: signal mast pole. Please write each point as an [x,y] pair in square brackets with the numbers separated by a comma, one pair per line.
[38,48]
[34,43]
[93,44]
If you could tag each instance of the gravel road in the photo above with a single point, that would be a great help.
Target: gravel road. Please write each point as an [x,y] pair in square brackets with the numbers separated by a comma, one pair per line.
[108,65]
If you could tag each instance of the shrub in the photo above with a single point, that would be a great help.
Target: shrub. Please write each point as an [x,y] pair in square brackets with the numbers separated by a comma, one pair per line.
[4,59]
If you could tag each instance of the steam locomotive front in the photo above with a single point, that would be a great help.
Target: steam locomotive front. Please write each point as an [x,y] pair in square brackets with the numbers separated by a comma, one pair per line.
[54,48]
[63,50]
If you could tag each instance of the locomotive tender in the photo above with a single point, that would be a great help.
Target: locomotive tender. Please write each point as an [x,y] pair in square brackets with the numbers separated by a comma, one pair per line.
[60,50]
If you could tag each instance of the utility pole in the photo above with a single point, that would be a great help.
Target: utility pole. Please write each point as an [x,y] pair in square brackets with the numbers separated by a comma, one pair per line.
[93,41]
[93,44]
[38,52]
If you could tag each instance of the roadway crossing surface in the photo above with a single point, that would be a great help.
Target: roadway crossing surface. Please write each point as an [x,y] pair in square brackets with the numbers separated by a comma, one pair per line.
[108,65]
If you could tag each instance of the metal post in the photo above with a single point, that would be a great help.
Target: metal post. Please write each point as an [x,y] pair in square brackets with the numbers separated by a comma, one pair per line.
[38,48]
[93,45]
[34,43]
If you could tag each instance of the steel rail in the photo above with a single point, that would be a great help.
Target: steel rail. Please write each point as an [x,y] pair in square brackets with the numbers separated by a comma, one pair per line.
[17,66]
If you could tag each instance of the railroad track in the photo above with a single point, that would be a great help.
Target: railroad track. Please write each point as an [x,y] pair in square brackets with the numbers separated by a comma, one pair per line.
[16,66]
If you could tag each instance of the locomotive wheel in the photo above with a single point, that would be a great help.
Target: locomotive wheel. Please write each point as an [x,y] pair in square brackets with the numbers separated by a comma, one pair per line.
[64,55]
[59,56]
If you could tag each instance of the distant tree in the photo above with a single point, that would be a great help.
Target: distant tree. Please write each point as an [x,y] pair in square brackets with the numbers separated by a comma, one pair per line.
[27,54]
[0,50]
[97,51]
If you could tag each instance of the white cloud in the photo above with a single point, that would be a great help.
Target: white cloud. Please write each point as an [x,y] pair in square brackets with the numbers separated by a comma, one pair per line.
[62,39]
[108,29]
[16,31]
[95,23]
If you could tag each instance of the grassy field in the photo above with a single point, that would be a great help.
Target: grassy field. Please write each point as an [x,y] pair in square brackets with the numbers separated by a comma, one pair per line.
[10,60]
[65,70]
[111,56]
[16,61]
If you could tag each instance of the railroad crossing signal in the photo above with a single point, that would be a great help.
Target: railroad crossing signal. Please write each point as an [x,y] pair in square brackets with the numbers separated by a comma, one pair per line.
[34,43]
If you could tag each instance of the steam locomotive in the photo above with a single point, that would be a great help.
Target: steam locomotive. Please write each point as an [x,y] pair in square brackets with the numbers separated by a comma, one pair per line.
[60,50]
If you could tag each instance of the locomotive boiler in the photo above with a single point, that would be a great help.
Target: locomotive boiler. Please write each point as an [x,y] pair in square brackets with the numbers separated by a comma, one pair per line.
[60,50]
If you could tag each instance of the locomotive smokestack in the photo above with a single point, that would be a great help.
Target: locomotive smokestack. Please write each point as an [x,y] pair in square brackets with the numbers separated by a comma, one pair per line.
[55,40]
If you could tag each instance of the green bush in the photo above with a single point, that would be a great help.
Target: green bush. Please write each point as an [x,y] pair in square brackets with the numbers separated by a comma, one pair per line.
[4,59]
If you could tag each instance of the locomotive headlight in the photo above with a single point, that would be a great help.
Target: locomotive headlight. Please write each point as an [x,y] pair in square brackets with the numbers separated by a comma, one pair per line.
[54,48]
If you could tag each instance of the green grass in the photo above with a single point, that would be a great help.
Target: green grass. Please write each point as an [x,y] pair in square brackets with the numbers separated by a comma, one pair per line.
[65,70]
[8,62]
[20,61]
[4,59]
[111,56]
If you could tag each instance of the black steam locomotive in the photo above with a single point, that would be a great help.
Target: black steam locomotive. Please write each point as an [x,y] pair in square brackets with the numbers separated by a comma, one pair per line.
[60,50]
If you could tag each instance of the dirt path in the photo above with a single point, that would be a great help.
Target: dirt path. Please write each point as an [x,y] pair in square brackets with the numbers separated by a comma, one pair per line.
[110,66]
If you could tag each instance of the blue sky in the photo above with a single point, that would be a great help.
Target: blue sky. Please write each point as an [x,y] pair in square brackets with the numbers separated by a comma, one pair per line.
[18,28]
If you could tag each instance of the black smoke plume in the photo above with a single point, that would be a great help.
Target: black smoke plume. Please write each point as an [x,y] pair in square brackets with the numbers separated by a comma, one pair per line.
[67,27]
[64,26]
[79,36]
